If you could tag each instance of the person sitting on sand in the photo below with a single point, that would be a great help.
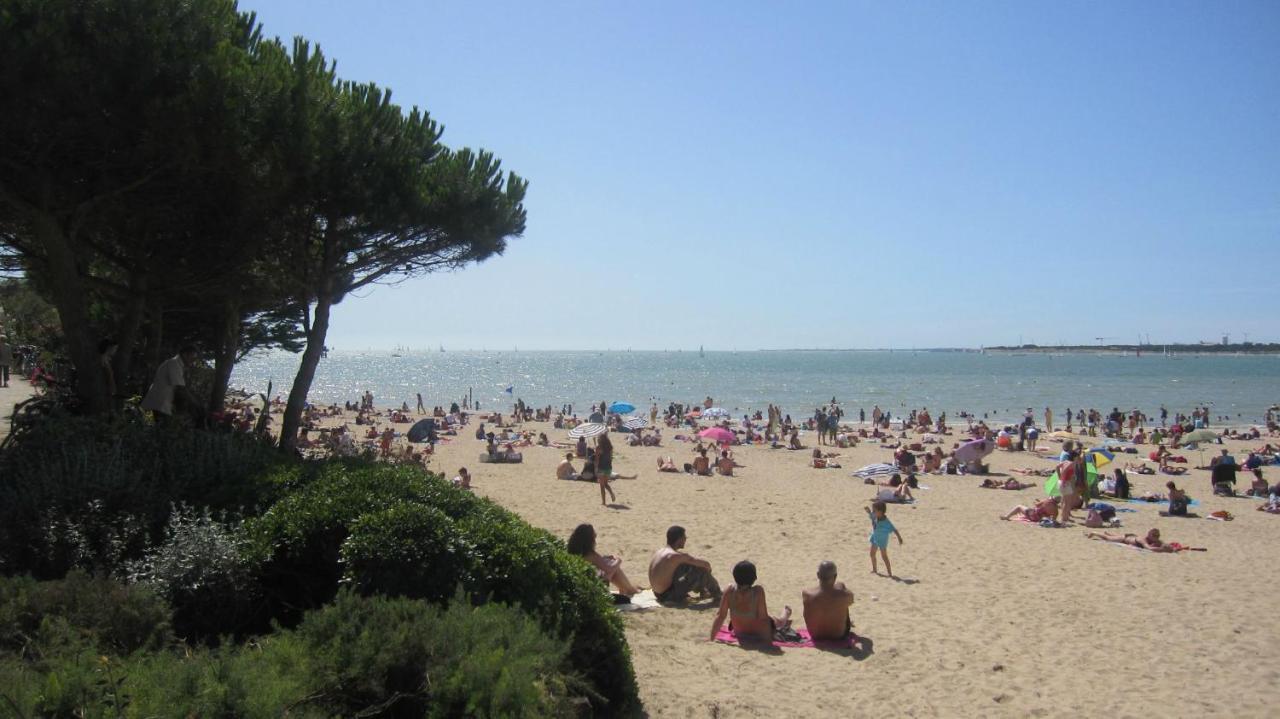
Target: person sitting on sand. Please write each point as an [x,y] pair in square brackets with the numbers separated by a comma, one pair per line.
[826,607]
[1046,508]
[1151,542]
[1272,505]
[673,574]
[794,442]
[583,543]
[744,603]
[1258,487]
[701,464]
[463,480]
[565,469]
[1178,501]
[725,464]
[667,464]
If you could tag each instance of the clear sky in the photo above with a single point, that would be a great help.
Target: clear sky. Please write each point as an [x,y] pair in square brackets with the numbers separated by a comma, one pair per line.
[838,174]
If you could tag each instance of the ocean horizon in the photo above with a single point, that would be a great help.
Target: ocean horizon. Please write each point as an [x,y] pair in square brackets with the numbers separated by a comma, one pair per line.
[998,385]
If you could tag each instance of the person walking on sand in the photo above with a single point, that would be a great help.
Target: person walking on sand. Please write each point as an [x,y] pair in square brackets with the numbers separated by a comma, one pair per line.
[673,575]
[826,607]
[422,409]
[1048,419]
[881,528]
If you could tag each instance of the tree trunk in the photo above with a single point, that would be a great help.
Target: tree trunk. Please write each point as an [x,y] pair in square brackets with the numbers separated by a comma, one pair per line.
[127,335]
[71,299]
[224,359]
[155,335]
[316,336]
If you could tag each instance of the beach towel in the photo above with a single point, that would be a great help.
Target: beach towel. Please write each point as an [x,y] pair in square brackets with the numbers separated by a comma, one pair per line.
[640,602]
[1190,503]
[726,636]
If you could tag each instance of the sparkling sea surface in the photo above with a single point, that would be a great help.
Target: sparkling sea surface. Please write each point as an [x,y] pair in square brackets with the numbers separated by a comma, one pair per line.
[1002,385]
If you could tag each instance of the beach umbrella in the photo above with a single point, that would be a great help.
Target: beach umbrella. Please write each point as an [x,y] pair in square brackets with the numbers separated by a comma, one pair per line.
[975,450]
[871,471]
[1099,456]
[715,412]
[422,430]
[1199,435]
[717,434]
[1111,442]
[635,423]
[588,429]
[622,408]
[1051,484]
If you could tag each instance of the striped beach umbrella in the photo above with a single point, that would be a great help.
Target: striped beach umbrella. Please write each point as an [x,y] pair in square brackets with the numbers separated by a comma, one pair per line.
[635,423]
[588,429]
[873,471]
[720,412]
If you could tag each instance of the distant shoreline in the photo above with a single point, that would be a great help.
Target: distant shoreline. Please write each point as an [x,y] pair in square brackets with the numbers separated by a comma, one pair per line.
[1147,350]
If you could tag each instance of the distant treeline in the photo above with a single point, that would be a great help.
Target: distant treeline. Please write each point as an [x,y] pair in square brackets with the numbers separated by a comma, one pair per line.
[1234,348]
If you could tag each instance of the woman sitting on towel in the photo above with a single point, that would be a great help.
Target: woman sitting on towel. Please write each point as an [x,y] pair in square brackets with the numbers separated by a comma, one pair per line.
[583,543]
[744,603]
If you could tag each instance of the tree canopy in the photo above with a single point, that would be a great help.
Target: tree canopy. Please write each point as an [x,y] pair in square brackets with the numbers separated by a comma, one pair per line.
[168,175]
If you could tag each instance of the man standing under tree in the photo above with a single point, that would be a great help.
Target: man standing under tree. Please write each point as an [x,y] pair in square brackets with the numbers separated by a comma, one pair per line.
[170,386]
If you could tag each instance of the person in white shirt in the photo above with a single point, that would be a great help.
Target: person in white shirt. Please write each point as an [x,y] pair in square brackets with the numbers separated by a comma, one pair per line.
[169,384]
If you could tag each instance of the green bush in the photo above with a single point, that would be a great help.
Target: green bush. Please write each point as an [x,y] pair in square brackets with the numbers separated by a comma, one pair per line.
[200,569]
[129,474]
[373,657]
[113,617]
[399,531]
[407,550]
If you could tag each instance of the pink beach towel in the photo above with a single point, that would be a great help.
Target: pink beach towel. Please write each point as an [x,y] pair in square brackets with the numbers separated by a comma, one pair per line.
[726,636]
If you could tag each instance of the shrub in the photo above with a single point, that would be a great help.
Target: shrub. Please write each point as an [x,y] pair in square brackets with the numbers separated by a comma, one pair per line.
[373,657]
[199,568]
[50,474]
[113,617]
[407,550]
[400,531]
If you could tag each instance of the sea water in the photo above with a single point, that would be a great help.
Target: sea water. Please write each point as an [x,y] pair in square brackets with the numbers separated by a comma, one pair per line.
[1001,386]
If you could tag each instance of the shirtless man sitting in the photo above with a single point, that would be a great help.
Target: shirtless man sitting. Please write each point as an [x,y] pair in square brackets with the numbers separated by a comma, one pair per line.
[565,469]
[674,574]
[702,465]
[826,607]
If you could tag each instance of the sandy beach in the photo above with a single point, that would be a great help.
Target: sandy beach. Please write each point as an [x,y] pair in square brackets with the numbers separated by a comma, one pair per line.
[988,618]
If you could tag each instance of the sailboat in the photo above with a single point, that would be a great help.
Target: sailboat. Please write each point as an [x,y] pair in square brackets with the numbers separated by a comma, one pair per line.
[442,348]
[700,352]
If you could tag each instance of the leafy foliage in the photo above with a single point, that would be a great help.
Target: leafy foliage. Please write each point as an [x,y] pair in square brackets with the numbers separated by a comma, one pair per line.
[92,493]
[396,530]
[200,569]
[373,657]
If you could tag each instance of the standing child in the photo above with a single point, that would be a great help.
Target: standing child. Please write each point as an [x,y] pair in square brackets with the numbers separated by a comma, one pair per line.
[881,528]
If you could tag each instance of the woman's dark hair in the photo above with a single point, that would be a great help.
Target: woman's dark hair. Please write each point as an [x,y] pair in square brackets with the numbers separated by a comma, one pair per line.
[912,482]
[582,540]
[106,344]
[744,573]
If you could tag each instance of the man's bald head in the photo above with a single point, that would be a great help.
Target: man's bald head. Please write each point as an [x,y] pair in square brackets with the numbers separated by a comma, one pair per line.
[826,573]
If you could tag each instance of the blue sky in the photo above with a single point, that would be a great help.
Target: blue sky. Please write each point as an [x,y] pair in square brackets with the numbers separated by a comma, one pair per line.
[768,175]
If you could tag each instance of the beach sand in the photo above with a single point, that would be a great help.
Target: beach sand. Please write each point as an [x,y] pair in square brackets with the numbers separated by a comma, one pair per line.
[986,618]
